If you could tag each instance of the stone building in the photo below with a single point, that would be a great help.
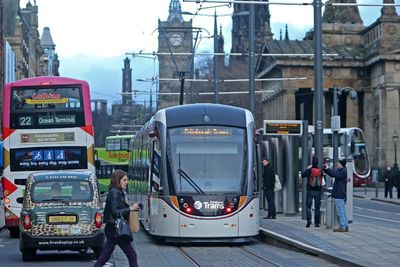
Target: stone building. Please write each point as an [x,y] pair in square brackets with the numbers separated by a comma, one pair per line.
[175,35]
[367,60]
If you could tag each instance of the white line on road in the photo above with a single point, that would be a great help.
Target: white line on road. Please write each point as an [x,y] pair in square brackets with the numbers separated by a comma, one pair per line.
[377,218]
[387,212]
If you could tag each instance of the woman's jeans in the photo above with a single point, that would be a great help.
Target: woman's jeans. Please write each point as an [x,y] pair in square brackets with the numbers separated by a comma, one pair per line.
[341,212]
[109,247]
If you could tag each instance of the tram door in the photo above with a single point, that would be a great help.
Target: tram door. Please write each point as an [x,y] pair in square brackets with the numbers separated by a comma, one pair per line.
[2,216]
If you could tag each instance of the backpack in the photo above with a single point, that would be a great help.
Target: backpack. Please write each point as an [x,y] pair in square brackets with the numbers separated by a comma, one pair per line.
[315,179]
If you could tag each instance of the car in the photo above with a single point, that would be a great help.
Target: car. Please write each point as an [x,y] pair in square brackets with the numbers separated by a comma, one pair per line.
[61,211]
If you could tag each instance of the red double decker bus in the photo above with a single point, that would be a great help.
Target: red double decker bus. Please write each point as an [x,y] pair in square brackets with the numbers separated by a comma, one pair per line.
[47,125]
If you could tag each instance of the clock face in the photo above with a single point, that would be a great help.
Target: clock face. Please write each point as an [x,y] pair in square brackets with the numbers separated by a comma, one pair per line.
[175,39]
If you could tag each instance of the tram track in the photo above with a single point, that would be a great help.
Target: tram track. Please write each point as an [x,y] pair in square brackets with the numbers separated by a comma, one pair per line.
[188,257]
[255,254]
[236,255]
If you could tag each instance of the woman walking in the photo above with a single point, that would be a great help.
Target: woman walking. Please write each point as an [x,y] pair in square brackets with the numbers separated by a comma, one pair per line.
[116,204]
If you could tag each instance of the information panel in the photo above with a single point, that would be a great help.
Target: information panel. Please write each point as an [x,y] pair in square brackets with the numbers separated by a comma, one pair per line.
[48,158]
[283,127]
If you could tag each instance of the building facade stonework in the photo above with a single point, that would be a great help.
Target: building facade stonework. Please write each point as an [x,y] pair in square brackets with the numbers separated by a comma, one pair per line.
[364,58]
[175,35]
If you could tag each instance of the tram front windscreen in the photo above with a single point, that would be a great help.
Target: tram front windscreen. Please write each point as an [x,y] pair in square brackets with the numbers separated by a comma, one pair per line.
[207,159]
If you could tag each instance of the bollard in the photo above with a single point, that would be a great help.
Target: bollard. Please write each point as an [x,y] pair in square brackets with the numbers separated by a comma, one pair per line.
[330,209]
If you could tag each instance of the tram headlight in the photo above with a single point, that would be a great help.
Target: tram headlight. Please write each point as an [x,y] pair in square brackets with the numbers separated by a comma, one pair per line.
[188,209]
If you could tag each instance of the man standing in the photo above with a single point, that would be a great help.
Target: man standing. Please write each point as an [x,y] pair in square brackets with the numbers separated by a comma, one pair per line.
[314,189]
[339,192]
[389,178]
[268,187]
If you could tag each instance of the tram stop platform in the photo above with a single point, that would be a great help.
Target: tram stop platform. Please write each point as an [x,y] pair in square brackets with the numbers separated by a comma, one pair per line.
[366,243]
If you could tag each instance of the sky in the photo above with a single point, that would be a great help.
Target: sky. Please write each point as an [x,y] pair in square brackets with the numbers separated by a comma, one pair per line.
[92,37]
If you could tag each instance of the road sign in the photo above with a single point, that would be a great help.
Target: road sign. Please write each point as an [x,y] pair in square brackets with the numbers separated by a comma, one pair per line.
[283,127]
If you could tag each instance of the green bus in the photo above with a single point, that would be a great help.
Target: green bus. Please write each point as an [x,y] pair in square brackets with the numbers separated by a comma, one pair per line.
[115,155]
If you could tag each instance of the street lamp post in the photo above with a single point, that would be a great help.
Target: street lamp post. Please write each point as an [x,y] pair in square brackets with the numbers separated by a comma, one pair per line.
[395,139]
[335,121]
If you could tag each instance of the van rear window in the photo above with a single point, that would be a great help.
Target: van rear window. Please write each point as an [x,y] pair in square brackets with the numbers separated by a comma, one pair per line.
[62,190]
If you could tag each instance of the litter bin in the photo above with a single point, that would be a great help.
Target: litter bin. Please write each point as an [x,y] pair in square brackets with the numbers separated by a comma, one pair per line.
[332,220]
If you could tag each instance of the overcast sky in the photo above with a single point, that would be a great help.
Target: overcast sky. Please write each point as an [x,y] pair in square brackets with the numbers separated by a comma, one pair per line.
[92,36]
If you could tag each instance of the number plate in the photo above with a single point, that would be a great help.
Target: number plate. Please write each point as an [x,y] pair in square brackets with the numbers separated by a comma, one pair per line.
[62,219]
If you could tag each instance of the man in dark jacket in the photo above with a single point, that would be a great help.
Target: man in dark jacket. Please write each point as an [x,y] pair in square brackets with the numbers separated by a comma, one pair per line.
[339,192]
[389,179]
[268,186]
[313,191]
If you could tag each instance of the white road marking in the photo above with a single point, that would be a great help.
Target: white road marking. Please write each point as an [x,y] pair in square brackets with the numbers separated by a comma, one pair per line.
[381,211]
[377,218]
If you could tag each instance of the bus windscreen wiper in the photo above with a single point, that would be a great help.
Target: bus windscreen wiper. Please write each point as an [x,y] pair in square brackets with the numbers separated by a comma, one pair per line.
[190,181]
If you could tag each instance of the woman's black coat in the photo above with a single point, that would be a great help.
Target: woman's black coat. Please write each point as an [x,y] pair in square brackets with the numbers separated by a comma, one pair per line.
[115,205]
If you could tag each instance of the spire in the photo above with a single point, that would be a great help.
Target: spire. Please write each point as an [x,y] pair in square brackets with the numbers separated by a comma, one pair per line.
[280,34]
[388,11]
[220,41]
[175,11]
[341,14]
[46,41]
[286,33]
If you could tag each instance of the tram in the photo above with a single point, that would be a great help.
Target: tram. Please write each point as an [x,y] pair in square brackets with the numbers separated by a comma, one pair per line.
[197,163]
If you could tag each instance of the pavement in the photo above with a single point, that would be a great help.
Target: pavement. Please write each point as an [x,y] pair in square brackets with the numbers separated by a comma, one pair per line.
[366,244]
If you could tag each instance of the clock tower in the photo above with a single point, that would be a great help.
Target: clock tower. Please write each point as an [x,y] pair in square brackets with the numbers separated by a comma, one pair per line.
[174,36]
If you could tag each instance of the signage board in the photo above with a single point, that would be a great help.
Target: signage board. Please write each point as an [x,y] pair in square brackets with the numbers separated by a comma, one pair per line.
[283,127]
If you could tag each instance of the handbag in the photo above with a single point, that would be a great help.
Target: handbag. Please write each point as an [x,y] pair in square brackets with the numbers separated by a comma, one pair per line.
[123,231]
[278,185]
[134,221]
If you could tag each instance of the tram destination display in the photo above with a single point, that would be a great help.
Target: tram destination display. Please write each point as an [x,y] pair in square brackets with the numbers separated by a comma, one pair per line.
[283,127]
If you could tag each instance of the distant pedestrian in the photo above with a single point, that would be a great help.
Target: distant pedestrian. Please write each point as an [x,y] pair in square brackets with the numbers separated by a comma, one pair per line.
[314,177]
[116,204]
[268,187]
[339,192]
[389,177]
[396,174]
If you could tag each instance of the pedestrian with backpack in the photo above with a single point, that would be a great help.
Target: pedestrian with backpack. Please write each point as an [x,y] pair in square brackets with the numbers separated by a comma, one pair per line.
[314,177]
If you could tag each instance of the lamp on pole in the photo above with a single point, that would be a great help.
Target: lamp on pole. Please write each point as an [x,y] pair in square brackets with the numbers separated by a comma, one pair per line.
[395,139]
[335,120]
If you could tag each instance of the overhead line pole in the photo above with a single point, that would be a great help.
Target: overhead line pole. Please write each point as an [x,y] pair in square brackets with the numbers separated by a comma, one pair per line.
[215,57]
[318,90]
[251,58]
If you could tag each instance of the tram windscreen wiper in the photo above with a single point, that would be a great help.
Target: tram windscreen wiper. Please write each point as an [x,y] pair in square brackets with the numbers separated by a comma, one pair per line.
[190,181]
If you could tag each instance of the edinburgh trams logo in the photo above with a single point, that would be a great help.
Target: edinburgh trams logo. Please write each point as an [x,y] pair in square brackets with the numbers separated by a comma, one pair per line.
[198,205]
[212,205]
